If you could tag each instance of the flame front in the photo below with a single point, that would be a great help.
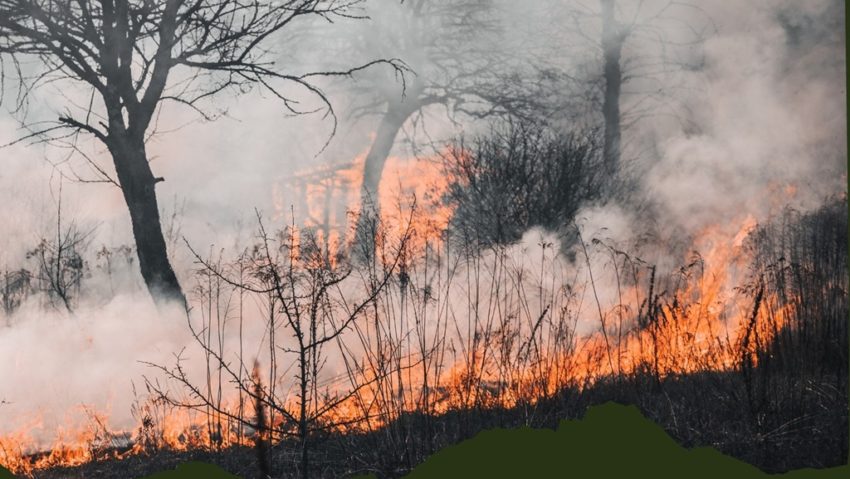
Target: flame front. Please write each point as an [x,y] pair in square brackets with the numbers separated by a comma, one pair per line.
[702,323]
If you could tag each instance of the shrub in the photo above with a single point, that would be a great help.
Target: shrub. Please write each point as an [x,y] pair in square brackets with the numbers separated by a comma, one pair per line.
[519,175]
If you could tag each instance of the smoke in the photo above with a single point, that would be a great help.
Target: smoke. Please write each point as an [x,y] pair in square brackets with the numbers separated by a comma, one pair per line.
[760,124]
[758,127]
[54,365]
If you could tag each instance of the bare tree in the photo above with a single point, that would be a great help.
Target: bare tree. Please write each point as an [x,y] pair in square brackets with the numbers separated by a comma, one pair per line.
[306,299]
[641,46]
[452,46]
[60,266]
[613,36]
[135,55]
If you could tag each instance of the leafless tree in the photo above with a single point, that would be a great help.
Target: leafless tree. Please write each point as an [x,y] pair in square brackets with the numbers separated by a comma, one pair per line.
[641,46]
[453,48]
[305,298]
[135,55]
[60,266]
[613,36]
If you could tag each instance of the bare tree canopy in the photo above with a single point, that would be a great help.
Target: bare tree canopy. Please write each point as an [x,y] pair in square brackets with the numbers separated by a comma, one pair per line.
[134,56]
[463,66]
[640,43]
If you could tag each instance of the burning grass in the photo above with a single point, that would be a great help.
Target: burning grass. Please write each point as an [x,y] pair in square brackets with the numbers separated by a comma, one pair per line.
[371,365]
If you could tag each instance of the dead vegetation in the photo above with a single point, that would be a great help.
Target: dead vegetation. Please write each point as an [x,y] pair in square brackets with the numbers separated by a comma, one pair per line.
[420,379]
[458,335]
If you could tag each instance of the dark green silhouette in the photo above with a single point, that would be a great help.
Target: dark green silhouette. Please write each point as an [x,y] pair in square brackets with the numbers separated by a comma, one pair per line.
[611,441]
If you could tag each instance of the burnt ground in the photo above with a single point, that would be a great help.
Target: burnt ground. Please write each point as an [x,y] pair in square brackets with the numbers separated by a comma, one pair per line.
[788,423]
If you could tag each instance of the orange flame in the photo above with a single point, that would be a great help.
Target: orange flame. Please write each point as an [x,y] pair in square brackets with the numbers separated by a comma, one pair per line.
[701,326]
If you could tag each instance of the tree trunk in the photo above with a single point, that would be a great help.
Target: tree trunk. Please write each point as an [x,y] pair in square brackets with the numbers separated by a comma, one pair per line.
[612,46]
[370,209]
[137,184]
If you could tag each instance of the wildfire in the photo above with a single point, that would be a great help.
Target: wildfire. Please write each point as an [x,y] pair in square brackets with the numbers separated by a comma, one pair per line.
[701,324]
[176,430]
[75,446]
[410,193]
